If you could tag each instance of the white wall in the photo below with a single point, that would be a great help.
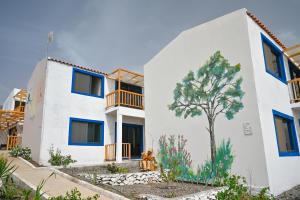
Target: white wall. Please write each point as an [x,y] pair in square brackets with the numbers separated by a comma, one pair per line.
[189,51]
[9,103]
[272,94]
[34,110]
[60,104]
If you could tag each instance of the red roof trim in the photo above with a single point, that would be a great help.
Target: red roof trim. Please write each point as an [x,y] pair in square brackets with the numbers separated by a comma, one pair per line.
[259,23]
[77,66]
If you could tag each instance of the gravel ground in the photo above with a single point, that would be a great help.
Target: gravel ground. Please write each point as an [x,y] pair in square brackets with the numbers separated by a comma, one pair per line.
[133,191]
[161,189]
[292,194]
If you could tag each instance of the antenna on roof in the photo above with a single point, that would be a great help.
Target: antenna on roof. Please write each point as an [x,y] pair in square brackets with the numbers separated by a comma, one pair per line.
[50,40]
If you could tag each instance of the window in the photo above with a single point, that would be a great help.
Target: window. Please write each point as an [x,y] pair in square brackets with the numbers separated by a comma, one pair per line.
[87,83]
[285,134]
[86,132]
[273,59]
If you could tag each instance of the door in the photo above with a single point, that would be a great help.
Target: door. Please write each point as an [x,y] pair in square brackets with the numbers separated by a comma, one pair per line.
[133,134]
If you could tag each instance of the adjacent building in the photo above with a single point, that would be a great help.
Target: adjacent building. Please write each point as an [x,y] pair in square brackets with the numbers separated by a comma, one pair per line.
[12,118]
[265,133]
[89,114]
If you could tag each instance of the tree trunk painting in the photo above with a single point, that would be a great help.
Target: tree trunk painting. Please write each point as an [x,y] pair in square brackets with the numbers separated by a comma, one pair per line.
[212,89]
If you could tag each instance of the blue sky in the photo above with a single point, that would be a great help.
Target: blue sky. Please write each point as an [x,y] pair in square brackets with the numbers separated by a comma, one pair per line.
[109,34]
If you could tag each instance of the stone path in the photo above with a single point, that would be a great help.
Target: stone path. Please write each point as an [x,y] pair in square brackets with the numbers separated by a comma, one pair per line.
[55,185]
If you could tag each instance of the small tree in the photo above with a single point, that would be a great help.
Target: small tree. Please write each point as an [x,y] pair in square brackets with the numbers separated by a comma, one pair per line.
[213,89]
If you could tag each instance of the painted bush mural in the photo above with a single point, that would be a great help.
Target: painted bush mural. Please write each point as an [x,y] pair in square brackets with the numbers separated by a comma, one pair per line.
[173,156]
[214,90]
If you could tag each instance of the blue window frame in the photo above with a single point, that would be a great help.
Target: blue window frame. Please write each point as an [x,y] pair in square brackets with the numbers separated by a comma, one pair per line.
[273,57]
[285,134]
[85,132]
[87,83]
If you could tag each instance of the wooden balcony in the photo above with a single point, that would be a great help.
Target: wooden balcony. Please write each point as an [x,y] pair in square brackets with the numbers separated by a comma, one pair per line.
[110,151]
[295,90]
[13,141]
[20,109]
[125,98]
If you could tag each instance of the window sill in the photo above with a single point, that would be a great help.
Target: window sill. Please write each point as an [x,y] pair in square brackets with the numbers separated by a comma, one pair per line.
[84,144]
[86,94]
[289,154]
[277,77]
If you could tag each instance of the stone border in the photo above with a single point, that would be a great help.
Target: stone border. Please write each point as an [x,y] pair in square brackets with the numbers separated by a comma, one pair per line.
[204,195]
[90,186]
[125,179]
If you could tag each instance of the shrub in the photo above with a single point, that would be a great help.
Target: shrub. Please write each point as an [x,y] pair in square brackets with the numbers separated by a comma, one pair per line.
[223,163]
[6,169]
[19,151]
[173,156]
[74,195]
[113,168]
[236,189]
[57,159]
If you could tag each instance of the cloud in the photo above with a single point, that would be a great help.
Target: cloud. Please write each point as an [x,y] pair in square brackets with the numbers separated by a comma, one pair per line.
[104,35]
[288,37]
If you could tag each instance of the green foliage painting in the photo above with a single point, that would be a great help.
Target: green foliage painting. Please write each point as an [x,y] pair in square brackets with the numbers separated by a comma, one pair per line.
[174,157]
[213,89]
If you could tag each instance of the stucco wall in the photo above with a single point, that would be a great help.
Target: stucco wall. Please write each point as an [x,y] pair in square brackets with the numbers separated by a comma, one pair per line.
[61,104]
[9,103]
[34,110]
[273,94]
[189,51]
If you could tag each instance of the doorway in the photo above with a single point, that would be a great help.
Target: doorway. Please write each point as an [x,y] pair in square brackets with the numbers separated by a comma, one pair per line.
[133,134]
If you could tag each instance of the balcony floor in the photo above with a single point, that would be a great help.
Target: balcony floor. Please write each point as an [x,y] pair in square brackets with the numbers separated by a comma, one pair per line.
[132,112]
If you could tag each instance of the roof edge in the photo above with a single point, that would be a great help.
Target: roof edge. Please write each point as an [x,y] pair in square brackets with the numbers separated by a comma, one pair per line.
[265,28]
[77,66]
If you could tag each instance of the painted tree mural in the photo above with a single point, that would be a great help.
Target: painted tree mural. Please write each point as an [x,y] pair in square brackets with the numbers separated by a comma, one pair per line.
[212,89]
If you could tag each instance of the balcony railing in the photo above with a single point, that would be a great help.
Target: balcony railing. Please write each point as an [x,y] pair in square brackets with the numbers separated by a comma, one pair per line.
[110,151]
[295,87]
[20,108]
[125,98]
[13,141]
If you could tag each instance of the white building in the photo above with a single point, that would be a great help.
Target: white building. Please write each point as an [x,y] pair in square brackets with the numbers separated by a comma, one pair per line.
[12,117]
[266,153]
[82,112]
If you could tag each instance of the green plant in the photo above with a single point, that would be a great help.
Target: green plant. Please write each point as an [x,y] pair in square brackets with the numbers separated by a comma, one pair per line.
[6,169]
[223,163]
[113,168]
[174,160]
[16,151]
[170,175]
[212,89]
[19,151]
[9,191]
[26,194]
[74,195]
[26,153]
[170,195]
[236,189]
[57,159]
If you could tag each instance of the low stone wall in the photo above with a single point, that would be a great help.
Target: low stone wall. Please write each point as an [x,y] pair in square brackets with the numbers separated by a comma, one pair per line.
[124,179]
[205,195]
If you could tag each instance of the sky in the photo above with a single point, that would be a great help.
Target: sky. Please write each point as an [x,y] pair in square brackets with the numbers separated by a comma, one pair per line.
[107,34]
